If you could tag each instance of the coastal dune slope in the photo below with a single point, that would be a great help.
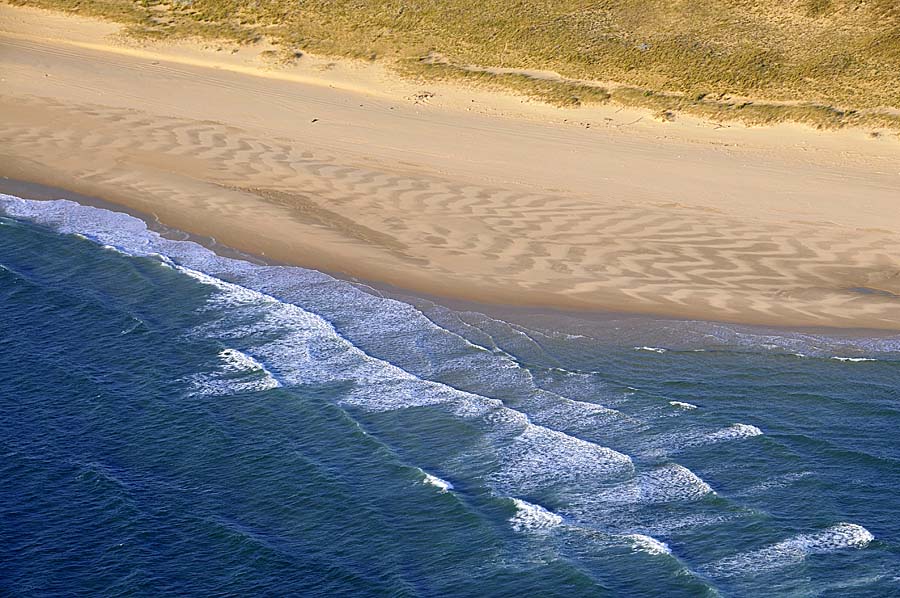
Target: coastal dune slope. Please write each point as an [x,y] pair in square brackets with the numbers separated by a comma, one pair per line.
[826,62]
[507,203]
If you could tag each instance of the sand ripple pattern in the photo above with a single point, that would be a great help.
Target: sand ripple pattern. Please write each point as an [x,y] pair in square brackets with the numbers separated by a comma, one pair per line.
[512,242]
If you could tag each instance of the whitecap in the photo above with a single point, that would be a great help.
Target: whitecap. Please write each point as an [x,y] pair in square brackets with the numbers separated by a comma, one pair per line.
[311,351]
[648,544]
[671,443]
[732,432]
[682,405]
[531,517]
[559,412]
[540,457]
[442,485]
[853,359]
[237,361]
[669,483]
[308,350]
[238,373]
[793,550]
[651,349]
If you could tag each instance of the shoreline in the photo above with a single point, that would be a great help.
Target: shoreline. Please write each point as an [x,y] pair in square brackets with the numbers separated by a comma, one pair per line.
[508,203]
[561,319]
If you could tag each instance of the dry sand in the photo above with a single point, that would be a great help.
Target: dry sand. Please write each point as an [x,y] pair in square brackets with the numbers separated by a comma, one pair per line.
[468,194]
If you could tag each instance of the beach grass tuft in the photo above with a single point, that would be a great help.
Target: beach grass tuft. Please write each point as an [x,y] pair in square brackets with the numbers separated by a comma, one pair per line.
[828,63]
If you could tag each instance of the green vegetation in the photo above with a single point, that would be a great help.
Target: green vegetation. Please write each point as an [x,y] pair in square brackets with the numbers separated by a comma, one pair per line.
[829,63]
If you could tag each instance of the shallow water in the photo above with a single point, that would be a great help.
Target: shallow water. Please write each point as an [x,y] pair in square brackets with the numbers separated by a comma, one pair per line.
[173,421]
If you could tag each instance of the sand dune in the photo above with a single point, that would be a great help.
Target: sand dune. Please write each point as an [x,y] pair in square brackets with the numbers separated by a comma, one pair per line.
[786,227]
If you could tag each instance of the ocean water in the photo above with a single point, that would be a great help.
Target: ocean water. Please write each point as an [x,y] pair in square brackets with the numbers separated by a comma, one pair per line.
[176,422]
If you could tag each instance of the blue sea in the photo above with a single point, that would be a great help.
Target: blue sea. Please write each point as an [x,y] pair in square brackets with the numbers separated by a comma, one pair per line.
[178,422]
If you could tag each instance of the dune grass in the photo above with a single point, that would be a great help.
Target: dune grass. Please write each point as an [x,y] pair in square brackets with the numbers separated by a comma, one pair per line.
[829,63]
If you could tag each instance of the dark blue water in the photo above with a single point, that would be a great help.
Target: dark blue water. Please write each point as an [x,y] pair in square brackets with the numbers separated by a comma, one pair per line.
[174,422]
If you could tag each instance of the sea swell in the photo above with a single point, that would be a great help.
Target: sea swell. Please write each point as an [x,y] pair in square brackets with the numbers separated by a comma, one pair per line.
[571,449]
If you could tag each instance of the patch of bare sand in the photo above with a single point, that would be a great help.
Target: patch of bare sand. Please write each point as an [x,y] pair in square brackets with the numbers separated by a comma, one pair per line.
[471,195]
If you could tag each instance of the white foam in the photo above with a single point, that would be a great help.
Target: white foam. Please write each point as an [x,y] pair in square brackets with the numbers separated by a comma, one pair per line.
[301,347]
[237,361]
[682,405]
[794,550]
[312,336]
[442,485]
[672,443]
[668,483]
[541,458]
[507,419]
[311,351]
[121,230]
[732,432]
[531,517]
[560,412]
[853,359]
[382,386]
[651,349]
[308,350]
[239,373]
[648,544]
[214,386]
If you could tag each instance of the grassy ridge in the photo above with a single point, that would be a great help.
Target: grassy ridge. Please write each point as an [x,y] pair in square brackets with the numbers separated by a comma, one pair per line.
[826,62]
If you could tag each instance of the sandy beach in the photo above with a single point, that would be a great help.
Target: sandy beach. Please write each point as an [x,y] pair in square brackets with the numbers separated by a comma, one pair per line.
[458,192]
